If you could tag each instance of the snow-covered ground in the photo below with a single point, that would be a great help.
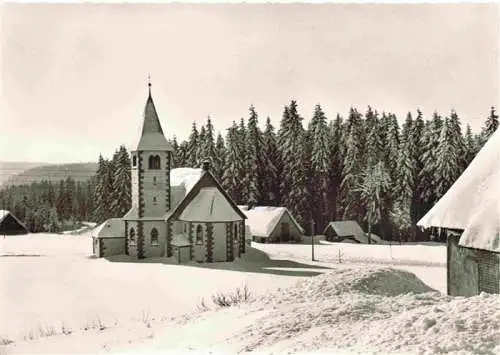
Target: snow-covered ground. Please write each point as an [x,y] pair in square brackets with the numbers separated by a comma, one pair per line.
[55,298]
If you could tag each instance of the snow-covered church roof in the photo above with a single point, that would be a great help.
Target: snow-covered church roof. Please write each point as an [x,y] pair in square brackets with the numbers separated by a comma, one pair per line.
[472,204]
[186,177]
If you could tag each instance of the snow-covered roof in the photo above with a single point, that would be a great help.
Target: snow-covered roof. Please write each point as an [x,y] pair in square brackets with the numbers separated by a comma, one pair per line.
[209,205]
[5,213]
[186,177]
[180,240]
[472,203]
[346,228]
[263,219]
[112,228]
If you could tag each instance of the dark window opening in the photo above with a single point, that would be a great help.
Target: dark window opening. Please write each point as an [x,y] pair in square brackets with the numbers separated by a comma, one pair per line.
[134,161]
[132,236]
[154,162]
[154,236]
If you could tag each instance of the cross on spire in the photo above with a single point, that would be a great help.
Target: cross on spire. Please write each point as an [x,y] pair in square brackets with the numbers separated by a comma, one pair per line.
[149,84]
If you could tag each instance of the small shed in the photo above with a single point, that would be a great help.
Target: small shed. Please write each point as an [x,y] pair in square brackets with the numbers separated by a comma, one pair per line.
[268,224]
[108,238]
[469,212]
[339,230]
[10,224]
[181,248]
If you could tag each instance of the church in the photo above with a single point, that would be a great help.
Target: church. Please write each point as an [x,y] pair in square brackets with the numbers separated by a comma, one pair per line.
[198,223]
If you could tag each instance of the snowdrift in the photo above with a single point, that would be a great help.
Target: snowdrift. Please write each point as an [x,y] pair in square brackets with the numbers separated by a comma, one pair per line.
[373,310]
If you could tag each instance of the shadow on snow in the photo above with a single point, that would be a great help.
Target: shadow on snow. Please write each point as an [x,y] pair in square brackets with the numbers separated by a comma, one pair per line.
[254,260]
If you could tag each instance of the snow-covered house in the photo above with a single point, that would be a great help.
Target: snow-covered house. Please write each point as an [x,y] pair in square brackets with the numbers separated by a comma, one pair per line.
[272,224]
[340,230]
[470,214]
[108,238]
[10,224]
[194,220]
[349,232]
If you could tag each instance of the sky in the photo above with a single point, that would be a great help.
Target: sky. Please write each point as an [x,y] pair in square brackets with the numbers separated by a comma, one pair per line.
[74,77]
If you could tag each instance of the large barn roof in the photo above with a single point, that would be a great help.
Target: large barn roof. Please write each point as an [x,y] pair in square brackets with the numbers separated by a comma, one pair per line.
[262,220]
[472,204]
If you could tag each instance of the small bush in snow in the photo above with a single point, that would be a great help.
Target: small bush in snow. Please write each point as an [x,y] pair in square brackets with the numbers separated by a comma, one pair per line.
[48,331]
[146,319]
[64,329]
[202,307]
[232,299]
[5,341]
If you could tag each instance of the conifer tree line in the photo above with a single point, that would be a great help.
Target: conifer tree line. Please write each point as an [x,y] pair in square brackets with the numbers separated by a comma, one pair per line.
[48,207]
[365,166]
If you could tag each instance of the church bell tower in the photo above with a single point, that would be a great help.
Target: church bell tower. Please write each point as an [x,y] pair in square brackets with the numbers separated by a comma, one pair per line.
[151,199]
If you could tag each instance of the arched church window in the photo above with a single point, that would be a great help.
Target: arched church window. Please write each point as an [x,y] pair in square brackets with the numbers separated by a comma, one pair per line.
[235,233]
[154,180]
[154,236]
[154,162]
[132,236]
[199,234]
[154,200]
[134,161]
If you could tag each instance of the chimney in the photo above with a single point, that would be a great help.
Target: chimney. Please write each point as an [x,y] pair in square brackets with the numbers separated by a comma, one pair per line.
[206,165]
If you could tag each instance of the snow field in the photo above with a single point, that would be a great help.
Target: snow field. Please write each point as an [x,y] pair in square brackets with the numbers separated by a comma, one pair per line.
[151,306]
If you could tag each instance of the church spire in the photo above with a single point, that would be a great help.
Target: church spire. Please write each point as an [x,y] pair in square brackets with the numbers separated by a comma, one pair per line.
[149,84]
[152,137]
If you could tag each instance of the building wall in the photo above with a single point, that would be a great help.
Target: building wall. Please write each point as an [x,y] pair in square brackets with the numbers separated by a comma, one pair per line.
[156,185]
[219,252]
[150,249]
[131,245]
[275,236]
[471,271]
[112,246]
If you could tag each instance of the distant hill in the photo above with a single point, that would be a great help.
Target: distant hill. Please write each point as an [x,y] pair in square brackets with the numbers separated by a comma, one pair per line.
[10,169]
[31,172]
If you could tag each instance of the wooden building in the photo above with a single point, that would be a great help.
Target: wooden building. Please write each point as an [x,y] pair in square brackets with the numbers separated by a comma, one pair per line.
[10,224]
[272,225]
[469,213]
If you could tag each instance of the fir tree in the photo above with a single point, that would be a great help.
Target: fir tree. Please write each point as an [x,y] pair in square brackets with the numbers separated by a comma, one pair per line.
[405,184]
[336,151]
[233,167]
[447,160]
[193,148]
[255,159]
[270,182]
[374,184]
[490,126]
[320,167]
[470,147]
[122,183]
[208,151]
[220,157]
[176,156]
[353,166]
